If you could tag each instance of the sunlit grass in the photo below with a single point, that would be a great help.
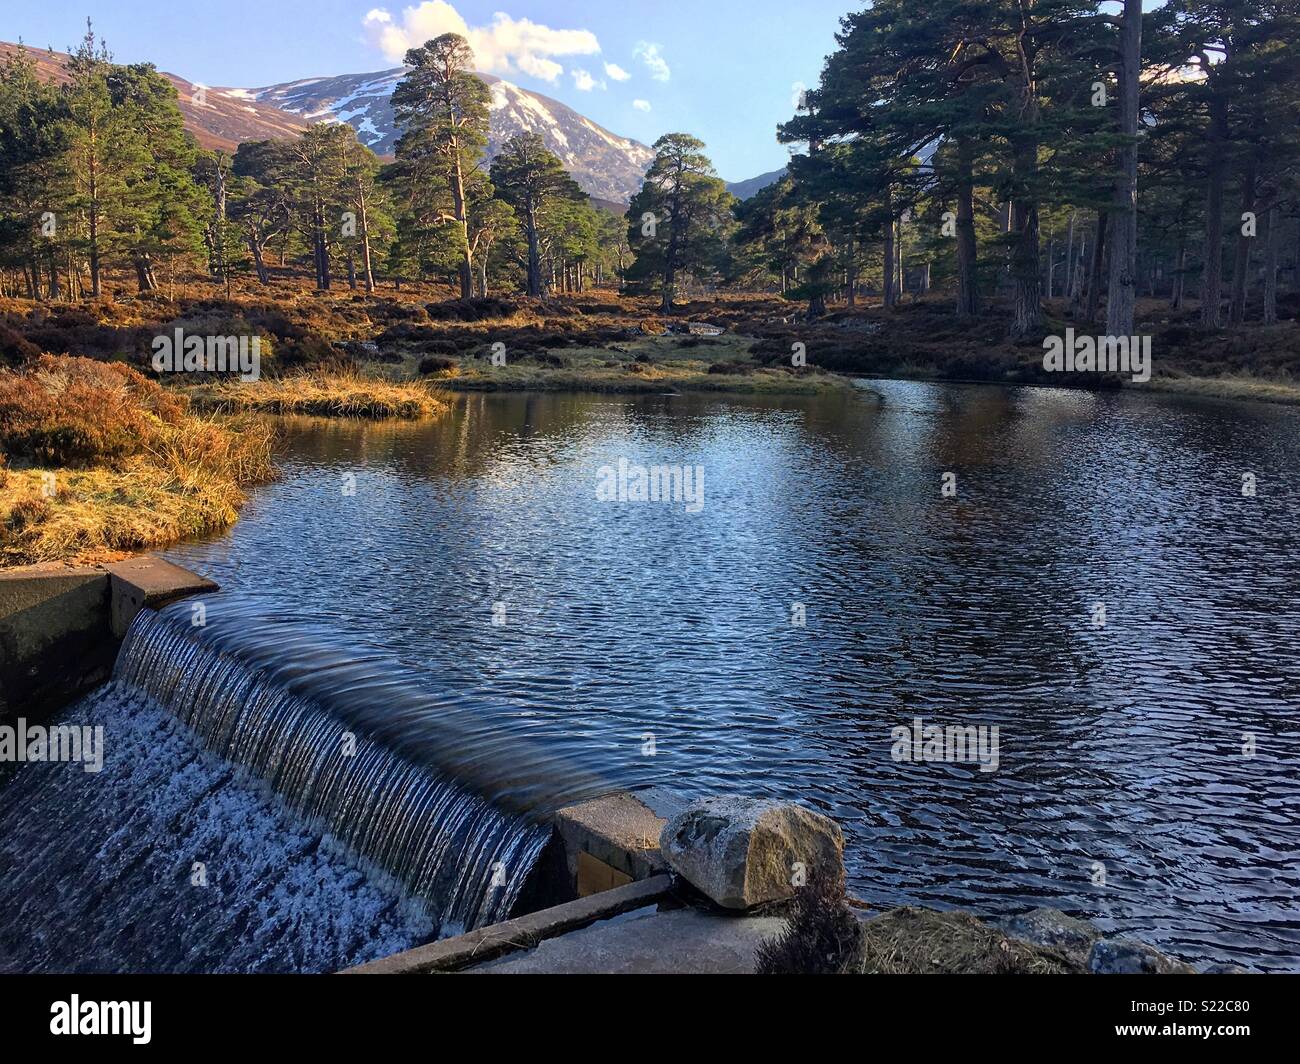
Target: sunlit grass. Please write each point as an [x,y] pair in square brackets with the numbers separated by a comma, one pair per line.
[323,395]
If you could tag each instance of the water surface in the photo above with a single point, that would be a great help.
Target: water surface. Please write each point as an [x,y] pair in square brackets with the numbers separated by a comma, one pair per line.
[645,644]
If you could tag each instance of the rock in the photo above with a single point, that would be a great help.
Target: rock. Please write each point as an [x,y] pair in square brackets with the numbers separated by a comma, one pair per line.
[743,852]
[1122,957]
[1225,969]
[1052,928]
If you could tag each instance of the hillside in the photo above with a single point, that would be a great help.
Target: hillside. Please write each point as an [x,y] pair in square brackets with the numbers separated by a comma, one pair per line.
[606,166]
[222,121]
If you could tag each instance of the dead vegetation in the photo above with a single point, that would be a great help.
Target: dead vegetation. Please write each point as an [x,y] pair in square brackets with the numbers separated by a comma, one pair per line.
[95,460]
[823,936]
[345,394]
[911,941]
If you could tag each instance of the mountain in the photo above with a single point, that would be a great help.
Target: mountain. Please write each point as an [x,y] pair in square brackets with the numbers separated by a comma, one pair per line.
[744,189]
[607,166]
[222,121]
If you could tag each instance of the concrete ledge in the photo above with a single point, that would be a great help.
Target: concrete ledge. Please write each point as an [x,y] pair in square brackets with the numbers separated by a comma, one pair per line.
[619,832]
[525,932]
[61,626]
[54,637]
[149,582]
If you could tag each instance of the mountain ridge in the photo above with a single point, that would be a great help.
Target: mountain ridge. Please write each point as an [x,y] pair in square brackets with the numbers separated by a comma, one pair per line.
[609,168]
[605,165]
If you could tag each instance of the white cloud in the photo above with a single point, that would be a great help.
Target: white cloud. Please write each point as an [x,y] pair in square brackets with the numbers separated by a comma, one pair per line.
[505,46]
[649,55]
[584,82]
[641,105]
[616,73]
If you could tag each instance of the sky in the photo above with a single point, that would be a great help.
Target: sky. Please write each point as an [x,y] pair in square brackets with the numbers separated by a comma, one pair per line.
[726,71]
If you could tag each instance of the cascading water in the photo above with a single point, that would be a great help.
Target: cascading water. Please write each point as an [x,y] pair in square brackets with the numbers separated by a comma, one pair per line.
[251,768]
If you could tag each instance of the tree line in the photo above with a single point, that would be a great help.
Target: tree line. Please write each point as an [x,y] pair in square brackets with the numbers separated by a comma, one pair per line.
[1006,152]
[99,173]
[1032,149]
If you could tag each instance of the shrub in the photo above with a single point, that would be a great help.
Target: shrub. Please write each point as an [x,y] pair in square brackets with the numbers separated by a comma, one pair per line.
[14,350]
[822,936]
[471,309]
[75,411]
[437,364]
[731,369]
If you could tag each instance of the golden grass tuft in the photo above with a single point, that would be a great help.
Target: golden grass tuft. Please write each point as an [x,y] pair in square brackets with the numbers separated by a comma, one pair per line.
[323,395]
[113,464]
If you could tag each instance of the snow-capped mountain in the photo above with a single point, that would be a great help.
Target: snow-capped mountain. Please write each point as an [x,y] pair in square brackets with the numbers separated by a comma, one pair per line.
[605,165]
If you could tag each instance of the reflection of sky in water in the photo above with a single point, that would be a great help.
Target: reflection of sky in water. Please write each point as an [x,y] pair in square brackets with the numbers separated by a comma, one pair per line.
[1118,745]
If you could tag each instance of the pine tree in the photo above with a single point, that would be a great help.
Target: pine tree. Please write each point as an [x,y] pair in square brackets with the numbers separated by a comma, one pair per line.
[443,109]
[681,215]
[531,178]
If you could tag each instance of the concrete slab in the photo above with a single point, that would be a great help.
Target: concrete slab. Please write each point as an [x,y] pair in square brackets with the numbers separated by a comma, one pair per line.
[647,942]
[150,582]
[452,954]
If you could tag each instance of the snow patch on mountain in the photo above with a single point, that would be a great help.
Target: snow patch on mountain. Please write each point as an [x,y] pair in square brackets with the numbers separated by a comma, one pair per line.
[604,165]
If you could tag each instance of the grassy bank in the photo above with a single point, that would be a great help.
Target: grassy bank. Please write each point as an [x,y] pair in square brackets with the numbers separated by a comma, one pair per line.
[321,395]
[1254,389]
[98,461]
[654,363]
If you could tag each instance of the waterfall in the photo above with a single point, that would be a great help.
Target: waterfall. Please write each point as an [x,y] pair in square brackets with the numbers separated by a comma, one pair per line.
[429,791]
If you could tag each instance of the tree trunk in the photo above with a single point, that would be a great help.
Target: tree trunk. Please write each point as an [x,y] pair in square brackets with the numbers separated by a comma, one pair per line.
[367,266]
[1212,272]
[967,282]
[1176,300]
[1241,260]
[1076,280]
[1027,316]
[1068,288]
[255,248]
[1121,295]
[534,255]
[890,276]
[1270,267]
[1098,260]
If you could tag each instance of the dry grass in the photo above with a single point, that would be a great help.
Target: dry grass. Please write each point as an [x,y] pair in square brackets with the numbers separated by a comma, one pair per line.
[323,395]
[1236,386]
[911,941]
[101,461]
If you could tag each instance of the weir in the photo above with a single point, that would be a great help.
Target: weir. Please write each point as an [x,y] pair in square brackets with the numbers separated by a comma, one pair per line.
[317,759]
[424,788]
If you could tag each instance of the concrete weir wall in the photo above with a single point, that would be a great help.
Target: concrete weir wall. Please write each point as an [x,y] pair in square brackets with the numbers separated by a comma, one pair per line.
[61,626]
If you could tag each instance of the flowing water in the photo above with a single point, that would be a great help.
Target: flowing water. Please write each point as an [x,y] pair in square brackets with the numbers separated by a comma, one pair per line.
[459,593]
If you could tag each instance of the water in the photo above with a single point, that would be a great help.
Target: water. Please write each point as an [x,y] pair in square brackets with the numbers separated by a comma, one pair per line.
[265,802]
[168,861]
[646,645]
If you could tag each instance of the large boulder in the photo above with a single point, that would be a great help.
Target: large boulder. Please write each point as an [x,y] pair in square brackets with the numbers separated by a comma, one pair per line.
[743,852]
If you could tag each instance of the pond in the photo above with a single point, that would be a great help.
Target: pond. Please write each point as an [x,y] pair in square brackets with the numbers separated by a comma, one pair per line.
[1095,575]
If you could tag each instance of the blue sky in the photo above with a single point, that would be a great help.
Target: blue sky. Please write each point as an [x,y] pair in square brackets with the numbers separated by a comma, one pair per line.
[724,70]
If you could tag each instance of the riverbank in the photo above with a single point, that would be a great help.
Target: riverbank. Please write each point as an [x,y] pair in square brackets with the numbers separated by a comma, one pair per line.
[97,462]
